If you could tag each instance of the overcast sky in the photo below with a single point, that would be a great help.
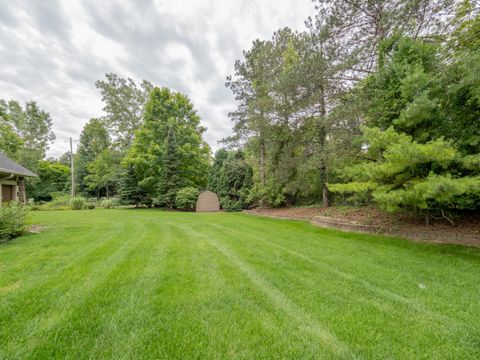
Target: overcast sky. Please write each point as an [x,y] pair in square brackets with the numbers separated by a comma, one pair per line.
[54,51]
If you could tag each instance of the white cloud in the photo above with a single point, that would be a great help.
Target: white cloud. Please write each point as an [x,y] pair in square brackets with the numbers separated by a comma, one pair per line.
[54,51]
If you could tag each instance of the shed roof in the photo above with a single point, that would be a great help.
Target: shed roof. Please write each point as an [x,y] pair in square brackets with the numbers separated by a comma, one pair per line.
[9,166]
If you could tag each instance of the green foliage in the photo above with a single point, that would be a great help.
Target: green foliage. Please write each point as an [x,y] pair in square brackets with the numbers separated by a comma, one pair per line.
[53,177]
[13,217]
[404,174]
[94,140]
[124,104]
[230,205]
[90,206]
[107,204]
[302,98]
[152,155]
[432,192]
[25,136]
[425,99]
[231,178]
[103,171]
[186,198]
[170,180]
[10,142]
[130,190]
[77,203]
[60,201]
[33,129]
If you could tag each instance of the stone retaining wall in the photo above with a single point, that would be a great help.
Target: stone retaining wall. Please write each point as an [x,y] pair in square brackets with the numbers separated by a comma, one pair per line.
[450,237]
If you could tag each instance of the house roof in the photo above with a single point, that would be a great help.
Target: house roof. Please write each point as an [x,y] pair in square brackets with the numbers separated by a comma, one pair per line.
[9,166]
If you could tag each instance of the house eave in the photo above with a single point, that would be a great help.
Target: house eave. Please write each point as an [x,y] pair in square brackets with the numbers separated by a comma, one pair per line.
[7,172]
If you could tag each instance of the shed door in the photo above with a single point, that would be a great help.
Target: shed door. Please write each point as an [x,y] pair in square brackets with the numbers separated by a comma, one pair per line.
[7,193]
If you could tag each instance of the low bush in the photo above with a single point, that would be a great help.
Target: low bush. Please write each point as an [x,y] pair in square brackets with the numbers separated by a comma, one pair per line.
[13,217]
[107,204]
[230,205]
[77,203]
[90,206]
[60,201]
[186,198]
[35,207]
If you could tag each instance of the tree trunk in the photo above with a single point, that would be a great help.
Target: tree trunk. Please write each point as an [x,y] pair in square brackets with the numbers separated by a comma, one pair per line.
[322,139]
[262,162]
[107,192]
[326,200]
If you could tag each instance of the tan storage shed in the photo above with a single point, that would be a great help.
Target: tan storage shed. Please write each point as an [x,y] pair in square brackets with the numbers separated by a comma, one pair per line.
[207,202]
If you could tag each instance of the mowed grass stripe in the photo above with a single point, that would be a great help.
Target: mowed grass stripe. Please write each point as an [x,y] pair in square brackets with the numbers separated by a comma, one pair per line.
[442,328]
[358,281]
[299,315]
[236,310]
[47,305]
[38,291]
[150,284]
[400,254]
[397,277]
[112,311]
[53,255]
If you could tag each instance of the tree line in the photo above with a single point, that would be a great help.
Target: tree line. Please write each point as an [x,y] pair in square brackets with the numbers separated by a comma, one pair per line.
[375,102]
[147,147]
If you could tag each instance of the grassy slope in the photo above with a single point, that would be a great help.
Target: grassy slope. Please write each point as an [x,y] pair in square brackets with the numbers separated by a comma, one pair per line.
[150,284]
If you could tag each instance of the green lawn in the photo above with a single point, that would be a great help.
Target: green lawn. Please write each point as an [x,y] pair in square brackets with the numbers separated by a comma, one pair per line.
[134,284]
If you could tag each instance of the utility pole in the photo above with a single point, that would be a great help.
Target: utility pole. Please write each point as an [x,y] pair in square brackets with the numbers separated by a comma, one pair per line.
[72,169]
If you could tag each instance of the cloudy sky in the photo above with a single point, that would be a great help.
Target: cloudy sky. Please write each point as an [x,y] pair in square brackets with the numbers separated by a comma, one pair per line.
[54,51]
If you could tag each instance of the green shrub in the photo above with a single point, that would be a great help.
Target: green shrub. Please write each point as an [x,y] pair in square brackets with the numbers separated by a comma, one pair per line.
[77,203]
[90,206]
[107,204]
[186,198]
[231,205]
[116,202]
[59,202]
[12,220]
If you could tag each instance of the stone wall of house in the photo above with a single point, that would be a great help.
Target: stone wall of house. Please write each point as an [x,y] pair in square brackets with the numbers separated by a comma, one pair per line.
[21,196]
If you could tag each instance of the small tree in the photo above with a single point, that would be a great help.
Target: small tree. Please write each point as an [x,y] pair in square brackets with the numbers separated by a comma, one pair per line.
[104,171]
[130,189]
[186,198]
[13,218]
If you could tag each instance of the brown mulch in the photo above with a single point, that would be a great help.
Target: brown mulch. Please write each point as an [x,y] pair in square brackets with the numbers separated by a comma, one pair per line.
[468,225]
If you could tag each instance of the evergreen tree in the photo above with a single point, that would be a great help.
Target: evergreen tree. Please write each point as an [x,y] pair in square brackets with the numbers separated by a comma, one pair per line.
[130,190]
